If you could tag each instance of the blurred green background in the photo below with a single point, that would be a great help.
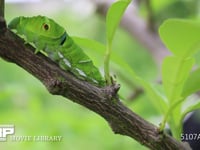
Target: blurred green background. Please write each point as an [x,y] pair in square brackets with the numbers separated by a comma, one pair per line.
[25,103]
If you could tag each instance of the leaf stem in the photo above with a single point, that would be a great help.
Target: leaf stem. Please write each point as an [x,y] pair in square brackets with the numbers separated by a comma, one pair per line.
[107,64]
[171,108]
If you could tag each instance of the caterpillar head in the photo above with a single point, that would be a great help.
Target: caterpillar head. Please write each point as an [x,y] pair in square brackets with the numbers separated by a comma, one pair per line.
[40,26]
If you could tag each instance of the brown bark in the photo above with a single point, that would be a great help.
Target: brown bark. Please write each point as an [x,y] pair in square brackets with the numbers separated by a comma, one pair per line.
[103,101]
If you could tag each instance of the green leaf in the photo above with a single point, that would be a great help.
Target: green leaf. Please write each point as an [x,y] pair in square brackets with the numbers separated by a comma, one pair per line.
[192,108]
[182,37]
[189,109]
[113,17]
[175,71]
[100,49]
[192,84]
[90,44]
[156,99]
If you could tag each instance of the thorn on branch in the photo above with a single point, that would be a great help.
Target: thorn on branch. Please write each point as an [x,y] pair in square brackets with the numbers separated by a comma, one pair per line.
[54,86]
[111,91]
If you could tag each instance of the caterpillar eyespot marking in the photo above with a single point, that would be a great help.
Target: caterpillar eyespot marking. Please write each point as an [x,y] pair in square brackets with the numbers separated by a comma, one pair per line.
[46,26]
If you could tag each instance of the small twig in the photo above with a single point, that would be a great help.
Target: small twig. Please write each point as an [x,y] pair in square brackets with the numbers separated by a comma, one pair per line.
[2,20]
[2,25]
[2,5]
[150,16]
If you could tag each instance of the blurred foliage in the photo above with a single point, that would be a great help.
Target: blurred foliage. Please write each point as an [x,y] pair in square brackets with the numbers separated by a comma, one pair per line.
[26,103]
[162,10]
[177,70]
[178,9]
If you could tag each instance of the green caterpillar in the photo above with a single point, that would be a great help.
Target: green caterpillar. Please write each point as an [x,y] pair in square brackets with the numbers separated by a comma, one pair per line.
[50,37]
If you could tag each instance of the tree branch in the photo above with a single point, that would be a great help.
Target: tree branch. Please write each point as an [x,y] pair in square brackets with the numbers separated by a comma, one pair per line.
[2,21]
[2,5]
[100,100]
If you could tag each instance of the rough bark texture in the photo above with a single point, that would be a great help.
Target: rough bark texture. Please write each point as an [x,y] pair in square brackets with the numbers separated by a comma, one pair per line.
[103,101]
